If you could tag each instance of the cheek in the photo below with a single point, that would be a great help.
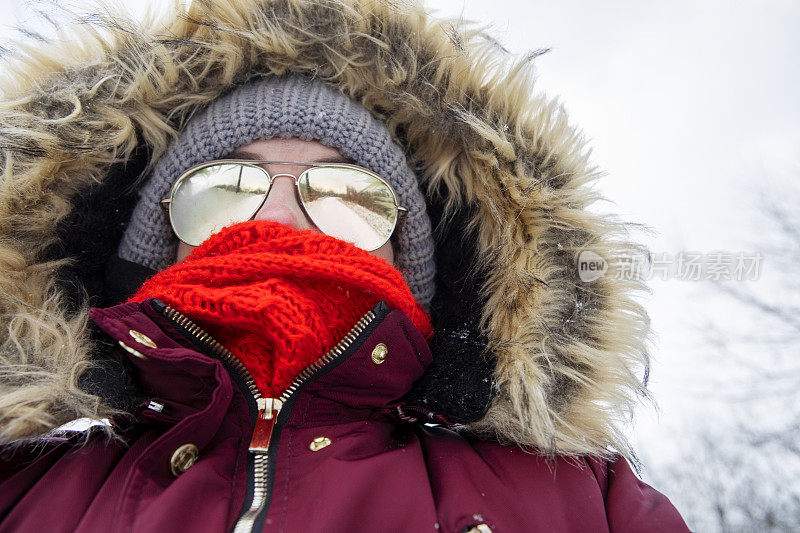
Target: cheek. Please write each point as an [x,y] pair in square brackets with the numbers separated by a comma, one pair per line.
[386,251]
[183,250]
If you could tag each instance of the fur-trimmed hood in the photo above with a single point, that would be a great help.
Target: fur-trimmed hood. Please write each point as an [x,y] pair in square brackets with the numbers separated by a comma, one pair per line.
[544,359]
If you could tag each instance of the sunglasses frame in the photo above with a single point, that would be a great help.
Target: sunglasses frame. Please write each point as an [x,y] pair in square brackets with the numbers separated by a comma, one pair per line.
[166,203]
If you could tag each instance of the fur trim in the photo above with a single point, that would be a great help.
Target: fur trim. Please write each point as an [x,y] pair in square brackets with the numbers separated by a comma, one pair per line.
[567,353]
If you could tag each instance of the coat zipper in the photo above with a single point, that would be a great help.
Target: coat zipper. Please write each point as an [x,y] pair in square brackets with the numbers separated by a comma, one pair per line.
[261,442]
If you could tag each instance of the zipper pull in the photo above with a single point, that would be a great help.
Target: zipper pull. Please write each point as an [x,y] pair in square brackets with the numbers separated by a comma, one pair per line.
[268,409]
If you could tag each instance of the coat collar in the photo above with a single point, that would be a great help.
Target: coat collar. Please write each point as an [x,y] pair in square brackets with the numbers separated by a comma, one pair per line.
[175,376]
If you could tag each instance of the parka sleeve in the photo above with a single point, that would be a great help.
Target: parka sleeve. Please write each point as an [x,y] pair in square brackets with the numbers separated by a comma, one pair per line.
[631,504]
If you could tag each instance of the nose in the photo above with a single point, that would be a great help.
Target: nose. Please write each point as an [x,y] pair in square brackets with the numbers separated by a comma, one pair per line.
[282,205]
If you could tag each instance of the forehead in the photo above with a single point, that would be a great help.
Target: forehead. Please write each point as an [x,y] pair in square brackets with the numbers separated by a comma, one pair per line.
[291,149]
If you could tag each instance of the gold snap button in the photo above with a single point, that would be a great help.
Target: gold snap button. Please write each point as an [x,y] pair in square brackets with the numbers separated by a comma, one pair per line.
[137,353]
[183,458]
[379,353]
[319,443]
[141,338]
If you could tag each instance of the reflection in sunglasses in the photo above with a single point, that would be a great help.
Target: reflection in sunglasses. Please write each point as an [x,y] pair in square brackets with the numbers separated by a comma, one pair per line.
[349,221]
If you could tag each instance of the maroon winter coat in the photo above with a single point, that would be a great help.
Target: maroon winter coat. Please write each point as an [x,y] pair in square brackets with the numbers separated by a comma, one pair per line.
[342,455]
[527,349]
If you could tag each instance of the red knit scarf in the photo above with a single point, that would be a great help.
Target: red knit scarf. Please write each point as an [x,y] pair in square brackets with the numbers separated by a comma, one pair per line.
[279,298]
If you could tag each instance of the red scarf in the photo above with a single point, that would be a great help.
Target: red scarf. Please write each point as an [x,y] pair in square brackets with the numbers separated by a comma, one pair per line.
[279,298]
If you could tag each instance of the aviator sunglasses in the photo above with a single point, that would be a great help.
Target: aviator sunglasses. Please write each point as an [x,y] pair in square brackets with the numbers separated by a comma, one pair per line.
[342,200]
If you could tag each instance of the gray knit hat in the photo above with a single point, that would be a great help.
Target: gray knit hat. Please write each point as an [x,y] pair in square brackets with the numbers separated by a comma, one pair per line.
[291,106]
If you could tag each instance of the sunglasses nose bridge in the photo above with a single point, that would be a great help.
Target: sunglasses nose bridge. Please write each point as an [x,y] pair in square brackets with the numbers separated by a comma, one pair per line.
[282,175]
[283,204]
[295,182]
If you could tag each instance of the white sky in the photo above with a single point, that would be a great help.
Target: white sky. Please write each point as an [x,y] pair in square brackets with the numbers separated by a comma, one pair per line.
[692,108]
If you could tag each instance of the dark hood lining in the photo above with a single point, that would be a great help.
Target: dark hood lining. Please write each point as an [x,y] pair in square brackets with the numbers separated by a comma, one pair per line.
[90,236]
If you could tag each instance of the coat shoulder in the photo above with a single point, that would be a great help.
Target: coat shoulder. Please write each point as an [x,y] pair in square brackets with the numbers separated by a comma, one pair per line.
[510,488]
[513,486]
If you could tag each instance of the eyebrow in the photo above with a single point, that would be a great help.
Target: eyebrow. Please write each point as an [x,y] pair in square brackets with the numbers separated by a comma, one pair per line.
[245,154]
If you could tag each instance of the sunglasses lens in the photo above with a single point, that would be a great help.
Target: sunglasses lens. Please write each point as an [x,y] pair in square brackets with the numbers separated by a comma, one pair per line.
[213,197]
[349,204]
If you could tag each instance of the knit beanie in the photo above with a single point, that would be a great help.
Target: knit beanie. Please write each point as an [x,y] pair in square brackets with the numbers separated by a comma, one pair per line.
[288,106]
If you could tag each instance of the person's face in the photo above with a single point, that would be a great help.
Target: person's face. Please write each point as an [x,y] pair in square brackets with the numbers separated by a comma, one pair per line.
[282,204]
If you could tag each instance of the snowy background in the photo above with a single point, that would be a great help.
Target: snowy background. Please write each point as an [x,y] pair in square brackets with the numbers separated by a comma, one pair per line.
[692,109]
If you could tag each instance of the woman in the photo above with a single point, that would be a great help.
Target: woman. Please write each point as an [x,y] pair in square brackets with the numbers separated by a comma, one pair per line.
[360,311]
